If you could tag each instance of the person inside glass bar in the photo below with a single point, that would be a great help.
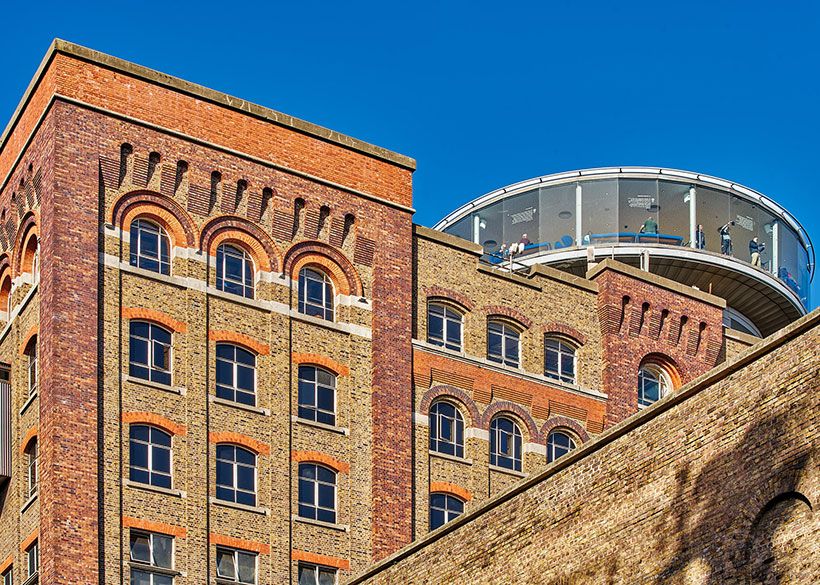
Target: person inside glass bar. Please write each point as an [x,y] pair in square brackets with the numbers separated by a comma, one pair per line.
[755,250]
[650,226]
[700,238]
[726,238]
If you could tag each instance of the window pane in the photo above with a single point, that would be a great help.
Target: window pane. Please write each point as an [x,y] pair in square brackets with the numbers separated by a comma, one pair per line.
[138,351]
[139,454]
[306,491]
[245,456]
[245,377]
[224,373]
[307,575]
[327,577]
[225,566]
[436,518]
[161,461]
[327,496]
[224,473]
[245,478]
[140,549]
[140,578]
[163,546]
[247,567]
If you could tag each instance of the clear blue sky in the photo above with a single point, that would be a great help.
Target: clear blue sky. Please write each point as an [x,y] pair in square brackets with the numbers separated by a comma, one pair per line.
[486,94]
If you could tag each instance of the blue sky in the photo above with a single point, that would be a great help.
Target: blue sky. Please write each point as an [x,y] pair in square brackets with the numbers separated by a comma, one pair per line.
[486,94]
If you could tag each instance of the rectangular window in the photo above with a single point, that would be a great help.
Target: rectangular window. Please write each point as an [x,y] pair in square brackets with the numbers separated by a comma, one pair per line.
[32,456]
[149,352]
[316,575]
[149,552]
[32,560]
[32,370]
[7,577]
[235,566]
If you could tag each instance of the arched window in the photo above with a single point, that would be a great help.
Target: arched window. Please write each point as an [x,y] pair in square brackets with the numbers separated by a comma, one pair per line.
[149,353]
[235,374]
[33,370]
[5,295]
[150,247]
[234,271]
[315,294]
[443,508]
[559,359]
[654,382]
[446,429]
[32,458]
[444,326]
[503,343]
[149,456]
[317,395]
[505,443]
[559,443]
[317,492]
[235,475]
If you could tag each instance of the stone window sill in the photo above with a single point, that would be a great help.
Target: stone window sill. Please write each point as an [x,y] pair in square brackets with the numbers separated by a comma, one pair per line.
[28,503]
[506,471]
[239,405]
[243,507]
[154,488]
[461,460]
[28,402]
[312,423]
[332,526]
[165,387]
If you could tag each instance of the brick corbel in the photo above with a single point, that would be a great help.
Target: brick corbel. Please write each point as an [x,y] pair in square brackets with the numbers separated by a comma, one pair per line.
[438,487]
[148,526]
[239,339]
[320,360]
[254,445]
[317,559]
[156,420]
[136,313]
[230,541]
[322,458]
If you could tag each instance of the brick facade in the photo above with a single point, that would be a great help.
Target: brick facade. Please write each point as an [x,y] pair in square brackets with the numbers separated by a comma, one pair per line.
[79,165]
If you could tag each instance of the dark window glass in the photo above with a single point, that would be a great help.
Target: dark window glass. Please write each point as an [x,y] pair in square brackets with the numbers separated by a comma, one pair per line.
[235,475]
[150,456]
[317,492]
[559,360]
[443,326]
[234,271]
[317,395]
[149,352]
[315,294]
[150,247]
[653,384]
[443,508]
[505,444]
[235,566]
[446,429]
[152,550]
[503,343]
[235,374]
[558,444]
[316,575]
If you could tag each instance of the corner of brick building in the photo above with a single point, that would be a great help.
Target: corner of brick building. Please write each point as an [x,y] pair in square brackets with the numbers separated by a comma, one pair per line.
[645,316]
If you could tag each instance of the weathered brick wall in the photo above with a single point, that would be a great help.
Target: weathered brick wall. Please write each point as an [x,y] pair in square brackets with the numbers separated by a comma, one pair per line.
[715,484]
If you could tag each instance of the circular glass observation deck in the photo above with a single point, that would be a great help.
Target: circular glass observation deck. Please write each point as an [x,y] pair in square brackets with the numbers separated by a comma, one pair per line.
[696,229]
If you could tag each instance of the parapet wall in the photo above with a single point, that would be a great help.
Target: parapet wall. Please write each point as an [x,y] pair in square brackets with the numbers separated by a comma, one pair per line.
[714,484]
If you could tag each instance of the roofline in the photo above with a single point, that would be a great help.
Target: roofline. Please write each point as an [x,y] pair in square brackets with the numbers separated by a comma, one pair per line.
[659,172]
[693,388]
[203,93]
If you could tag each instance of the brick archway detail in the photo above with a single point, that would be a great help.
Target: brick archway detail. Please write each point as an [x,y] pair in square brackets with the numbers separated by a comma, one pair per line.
[239,339]
[33,331]
[159,208]
[320,458]
[249,236]
[315,359]
[27,229]
[565,330]
[514,409]
[136,313]
[345,277]
[456,395]
[559,422]
[508,313]
[445,487]
[254,445]
[668,365]
[454,296]
[155,420]
[30,435]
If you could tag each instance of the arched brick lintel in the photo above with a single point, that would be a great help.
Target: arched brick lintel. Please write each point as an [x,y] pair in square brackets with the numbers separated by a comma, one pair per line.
[149,418]
[345,276]
[164,210]
[254,445]
[559,422]
[507,312]
[137,313]
[565,330]
[445,487]
[455,394]
[455,296]
[249,236]
[33,331]
[322,361]
[30,435]
[239,339]
[517,411]
[28,228]
[321,458]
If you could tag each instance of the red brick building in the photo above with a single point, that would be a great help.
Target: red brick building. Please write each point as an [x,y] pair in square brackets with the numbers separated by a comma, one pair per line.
[232,358]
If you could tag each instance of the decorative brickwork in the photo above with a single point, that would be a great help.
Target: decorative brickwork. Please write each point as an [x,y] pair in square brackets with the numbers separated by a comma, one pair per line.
[322,458]
[455,296]
[136,313]
[247,235]
[239,339]
[32,332]
[160,527]
[517,412]
[254,445]
[344,275]
[455,394]
[317,559]
[444,487]
[239,543]
[30,435]
[29,540]
[563,422]
[150,418]
[321,361]
[164,210]
[565,330]
[508,312]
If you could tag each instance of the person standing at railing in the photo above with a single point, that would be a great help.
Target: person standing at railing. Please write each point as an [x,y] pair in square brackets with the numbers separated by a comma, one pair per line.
[650,226]
[726,238]
[755,250]
[700,238]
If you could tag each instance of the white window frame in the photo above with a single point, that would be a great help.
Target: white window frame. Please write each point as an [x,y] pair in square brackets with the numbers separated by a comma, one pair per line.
[334,570]
[32,467]
[516,455]
[551,446]
[562,343]
[509,334]
[657,373]
[150,226]
[435,419]
[447,322]
[235,372]
[33,366]
[152,568]
[247,260]
[316,482]
[235,474]
[316,385]
[151,366]
[327,283]
[151,446]
[222,580]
